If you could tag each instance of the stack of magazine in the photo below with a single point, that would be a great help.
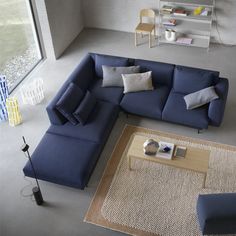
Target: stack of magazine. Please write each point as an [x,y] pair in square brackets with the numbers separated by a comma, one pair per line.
[165,150]
[170,22]
[166,10]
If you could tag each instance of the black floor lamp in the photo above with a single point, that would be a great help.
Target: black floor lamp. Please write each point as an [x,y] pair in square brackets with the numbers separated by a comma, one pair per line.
[36,190]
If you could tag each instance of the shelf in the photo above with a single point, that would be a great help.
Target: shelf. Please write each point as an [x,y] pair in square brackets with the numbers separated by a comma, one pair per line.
[193,26]
[204,3]
[188,17]
[198,41]
[190,27]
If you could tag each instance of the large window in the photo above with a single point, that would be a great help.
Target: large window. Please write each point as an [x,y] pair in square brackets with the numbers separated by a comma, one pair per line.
[19,45]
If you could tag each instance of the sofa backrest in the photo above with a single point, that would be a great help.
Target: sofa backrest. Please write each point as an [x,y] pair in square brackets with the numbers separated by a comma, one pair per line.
[162,73]
[188,80]
[100,60]
[84,73]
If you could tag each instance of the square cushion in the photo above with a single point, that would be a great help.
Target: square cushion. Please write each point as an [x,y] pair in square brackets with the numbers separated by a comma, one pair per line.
[64,160]
[175,111]
[146,103]
[106,60]
[162,73]
[108,94]
[189,80]
[97,127]
[85,108]
[137,82]
[68,102]
[112,76]
[200,98]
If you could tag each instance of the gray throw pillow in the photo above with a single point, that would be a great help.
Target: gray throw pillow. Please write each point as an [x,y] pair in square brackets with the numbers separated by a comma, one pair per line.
[200,98]
[137,82]
[112,75]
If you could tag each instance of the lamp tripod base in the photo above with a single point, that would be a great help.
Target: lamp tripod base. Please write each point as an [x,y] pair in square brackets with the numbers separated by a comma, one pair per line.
[37,195]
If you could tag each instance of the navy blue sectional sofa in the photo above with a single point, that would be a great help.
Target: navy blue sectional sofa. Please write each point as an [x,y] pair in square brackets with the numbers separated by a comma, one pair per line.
[68,153]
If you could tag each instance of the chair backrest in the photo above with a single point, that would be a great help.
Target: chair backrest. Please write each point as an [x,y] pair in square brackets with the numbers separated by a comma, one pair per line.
[147,13]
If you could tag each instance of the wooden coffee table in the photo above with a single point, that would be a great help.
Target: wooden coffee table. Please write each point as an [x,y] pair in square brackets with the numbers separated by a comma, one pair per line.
[196,159]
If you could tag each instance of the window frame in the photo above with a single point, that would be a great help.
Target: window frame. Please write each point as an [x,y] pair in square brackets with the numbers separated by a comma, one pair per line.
[38,35]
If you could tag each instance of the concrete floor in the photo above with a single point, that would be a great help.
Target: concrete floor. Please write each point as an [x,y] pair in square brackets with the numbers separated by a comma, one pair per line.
[65,207]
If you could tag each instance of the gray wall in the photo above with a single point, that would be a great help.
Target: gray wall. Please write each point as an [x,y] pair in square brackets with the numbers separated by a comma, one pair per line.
[44,28]
[119,15]
[65,21]
[122,15]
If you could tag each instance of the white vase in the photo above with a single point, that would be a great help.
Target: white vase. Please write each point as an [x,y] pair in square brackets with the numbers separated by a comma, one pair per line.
[170,35]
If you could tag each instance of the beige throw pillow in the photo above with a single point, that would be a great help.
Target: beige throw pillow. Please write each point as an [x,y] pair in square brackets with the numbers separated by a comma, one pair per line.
[137,82]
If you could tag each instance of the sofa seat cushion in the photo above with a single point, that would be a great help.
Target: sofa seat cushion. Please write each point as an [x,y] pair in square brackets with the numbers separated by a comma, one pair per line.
[109,94]
[146,103]
[97,127]
[189,80]
[175,111]
[64,160]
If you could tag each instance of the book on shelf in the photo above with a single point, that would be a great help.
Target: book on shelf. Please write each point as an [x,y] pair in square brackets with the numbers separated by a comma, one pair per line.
[166,10]
[184,40]
[204,13]
[170,22]
[180,12]
[197,11]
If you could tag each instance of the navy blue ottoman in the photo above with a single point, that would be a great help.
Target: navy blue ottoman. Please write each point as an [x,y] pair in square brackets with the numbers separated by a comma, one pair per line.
[64,160]
[217,213]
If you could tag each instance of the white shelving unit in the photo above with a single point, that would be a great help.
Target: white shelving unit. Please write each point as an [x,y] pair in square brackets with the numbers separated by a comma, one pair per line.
[197,27]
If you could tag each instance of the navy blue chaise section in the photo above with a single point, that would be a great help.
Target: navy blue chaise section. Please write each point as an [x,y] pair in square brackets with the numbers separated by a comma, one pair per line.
[67,154]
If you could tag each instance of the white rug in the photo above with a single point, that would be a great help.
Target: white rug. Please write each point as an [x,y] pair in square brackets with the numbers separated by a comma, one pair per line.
[161,199]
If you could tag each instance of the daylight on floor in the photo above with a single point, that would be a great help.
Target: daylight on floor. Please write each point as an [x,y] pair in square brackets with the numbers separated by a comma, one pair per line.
[117,117]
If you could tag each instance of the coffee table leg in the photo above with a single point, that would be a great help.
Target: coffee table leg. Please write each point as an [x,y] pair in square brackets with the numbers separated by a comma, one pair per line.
[204,180]
[129,162]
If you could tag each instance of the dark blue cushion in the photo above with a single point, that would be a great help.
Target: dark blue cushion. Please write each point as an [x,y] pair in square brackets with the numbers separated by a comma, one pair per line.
[85,107]
[162,73]
[64,160]
[189,80]
[69,101]
[146,103]
[108,94]
[217,213]
[175,111]
[54,115]
[217,107]
[97,127]
[82,76]
[101,60]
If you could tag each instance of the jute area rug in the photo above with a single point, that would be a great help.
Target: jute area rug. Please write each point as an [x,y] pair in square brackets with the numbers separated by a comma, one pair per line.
[155,199]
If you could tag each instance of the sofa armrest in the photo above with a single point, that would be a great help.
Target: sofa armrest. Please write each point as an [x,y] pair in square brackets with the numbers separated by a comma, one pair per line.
[217,107]
[217,213]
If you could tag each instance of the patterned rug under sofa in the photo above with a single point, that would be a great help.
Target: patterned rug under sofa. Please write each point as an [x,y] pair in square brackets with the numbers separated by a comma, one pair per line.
[156,199]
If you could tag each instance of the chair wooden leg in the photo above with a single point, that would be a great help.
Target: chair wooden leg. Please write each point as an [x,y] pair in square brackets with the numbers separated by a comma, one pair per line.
[150,39]
[135,38]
